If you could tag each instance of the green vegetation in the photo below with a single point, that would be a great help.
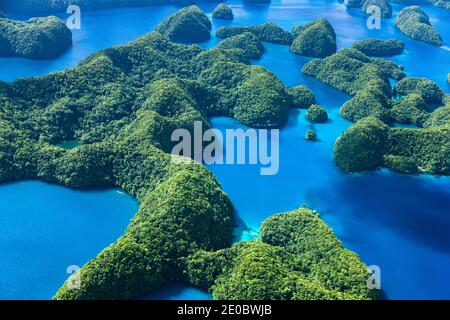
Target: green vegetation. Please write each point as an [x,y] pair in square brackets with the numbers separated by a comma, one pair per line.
[311,135]
[370,144]
[415,23]
[428,148]
[301,96]
[37,38]
[350,71]
[252,47]
[268,32]
[187,25]
[439,117]
[223,12]
[445,4]
[67,145]
[412,109]
[122,105]
[316,113]
[400,164]
[174,220]
[314,39]
[297,257]
[366,79]
[380,48]
[362,146]
[384,5]
[427,89]
[261,100]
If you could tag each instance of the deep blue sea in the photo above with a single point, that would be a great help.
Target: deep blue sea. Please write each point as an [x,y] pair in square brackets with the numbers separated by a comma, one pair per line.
[400,223]
[45,229]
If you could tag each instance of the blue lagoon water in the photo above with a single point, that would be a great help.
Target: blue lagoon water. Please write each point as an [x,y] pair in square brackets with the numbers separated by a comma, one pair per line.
[399,223]
[176,291]
[45,229]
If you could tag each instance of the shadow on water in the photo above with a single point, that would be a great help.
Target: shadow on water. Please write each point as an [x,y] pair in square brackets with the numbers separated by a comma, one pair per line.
[177,291]
[416,208]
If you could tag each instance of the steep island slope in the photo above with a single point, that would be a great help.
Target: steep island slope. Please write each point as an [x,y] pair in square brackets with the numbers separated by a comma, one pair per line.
[371,142]
[314,39]
[122,104]
[187,25]
[415,23]
[222,11]
[38,38]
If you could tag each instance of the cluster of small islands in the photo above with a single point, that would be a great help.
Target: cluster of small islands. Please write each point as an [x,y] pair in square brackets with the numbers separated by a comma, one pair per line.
[122,104]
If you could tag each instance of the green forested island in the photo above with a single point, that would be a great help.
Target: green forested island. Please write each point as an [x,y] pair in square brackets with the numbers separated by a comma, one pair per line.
[302,96]
[371,143]
[380,48]
[316,113]
[415,23]
[222,11]
[250,44]
[187,25]
[311,135]
[268,32]
[296,258]
[314,39]
[38,38]
[121,104]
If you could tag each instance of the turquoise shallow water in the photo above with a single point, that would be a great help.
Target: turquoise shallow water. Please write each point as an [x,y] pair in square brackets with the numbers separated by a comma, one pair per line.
[398,222]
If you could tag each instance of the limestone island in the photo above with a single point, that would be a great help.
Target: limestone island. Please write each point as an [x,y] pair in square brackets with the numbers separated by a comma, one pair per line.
[311,135]
[380,48]
[37,38]
[187,25]
[250,44]
[372,142]
[122,103]
[268,32]
[223,12]
[314,39]
[302,97]
[316,114]
[415,23]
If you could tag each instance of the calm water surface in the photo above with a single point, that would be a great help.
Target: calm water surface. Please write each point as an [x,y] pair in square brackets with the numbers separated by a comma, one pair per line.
[399,223]
[45,229]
